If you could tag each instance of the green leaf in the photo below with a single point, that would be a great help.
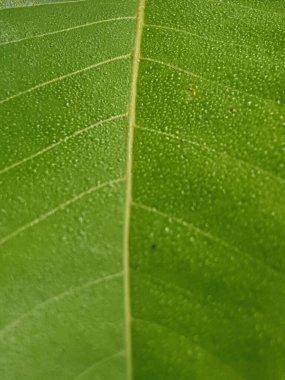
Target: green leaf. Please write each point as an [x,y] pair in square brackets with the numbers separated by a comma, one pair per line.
[142,190]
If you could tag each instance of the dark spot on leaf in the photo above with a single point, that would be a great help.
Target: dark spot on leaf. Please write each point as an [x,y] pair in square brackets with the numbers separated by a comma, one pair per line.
[191,91]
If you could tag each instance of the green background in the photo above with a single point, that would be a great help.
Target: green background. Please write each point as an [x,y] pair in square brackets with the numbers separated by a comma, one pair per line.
[207,242]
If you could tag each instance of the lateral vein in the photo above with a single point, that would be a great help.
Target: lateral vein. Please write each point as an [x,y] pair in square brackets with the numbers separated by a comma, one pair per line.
[53,211]
[242,162]
[45,4]
[94,365]
[95,65]
[214,82]
[59,142]
[56,298]
[81,26]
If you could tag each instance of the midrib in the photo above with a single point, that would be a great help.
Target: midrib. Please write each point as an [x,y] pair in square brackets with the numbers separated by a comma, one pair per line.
[128,200]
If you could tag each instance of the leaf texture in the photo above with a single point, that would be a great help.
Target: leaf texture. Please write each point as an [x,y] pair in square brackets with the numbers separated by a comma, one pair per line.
[142,180]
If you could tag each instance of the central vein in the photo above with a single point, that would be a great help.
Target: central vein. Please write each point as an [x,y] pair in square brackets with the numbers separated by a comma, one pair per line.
[128,204]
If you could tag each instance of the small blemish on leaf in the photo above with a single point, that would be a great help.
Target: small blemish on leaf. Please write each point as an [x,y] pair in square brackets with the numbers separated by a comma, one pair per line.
[191,91]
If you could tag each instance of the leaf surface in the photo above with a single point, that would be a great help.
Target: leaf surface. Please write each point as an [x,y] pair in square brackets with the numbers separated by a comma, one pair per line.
[142,190]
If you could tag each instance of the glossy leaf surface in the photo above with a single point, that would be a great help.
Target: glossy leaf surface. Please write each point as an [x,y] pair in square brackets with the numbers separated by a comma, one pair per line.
[142,190]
